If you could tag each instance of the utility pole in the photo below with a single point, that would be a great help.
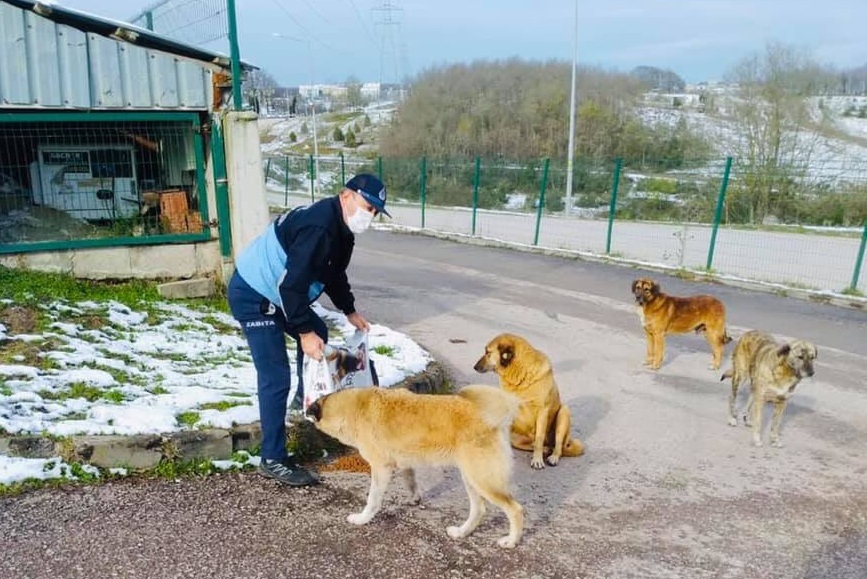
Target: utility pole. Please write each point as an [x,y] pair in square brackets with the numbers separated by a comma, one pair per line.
[570,161]
[387,22]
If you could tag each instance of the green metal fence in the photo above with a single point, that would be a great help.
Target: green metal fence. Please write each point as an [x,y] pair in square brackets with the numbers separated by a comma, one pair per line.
[784,225]
[98,179]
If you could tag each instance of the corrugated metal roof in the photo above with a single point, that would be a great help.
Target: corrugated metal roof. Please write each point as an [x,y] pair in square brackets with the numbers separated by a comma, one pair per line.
[123,31]
[59,58]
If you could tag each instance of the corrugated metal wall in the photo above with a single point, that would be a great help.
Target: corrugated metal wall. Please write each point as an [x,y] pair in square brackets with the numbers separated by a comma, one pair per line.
[49,65]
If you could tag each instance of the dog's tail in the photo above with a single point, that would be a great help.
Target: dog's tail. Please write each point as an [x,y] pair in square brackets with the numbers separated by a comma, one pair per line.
[573,447]
[498,407]
[727,374]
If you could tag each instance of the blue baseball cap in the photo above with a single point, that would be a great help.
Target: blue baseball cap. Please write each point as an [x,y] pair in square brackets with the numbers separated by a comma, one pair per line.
[371,188]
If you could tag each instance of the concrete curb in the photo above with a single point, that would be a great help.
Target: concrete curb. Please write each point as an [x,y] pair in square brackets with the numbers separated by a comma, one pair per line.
[145,451]
[823,297]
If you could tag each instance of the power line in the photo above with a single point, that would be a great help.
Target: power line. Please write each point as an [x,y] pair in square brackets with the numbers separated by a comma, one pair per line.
[363,24]
[388,22]
[308,31]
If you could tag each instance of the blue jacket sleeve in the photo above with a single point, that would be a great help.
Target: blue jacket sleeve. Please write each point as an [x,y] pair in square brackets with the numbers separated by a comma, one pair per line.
[339,291]
[306,255]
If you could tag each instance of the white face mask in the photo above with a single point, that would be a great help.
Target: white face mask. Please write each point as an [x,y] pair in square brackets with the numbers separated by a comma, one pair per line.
[359,221]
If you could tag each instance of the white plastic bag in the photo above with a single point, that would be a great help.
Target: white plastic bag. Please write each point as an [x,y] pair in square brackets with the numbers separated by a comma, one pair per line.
[318,380]
[330,374]
[362,375]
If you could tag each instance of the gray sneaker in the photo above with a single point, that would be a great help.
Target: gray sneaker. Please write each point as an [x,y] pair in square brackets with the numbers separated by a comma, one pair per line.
[288,472]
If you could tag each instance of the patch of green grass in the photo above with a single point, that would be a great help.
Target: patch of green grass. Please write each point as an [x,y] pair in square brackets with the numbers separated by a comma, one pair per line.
[5,390]
[224,404]
[157,390]
[384,350]
[852,291]
[120,376]
[18,352]
[172,356]
[220,326]
[83,390]
[188,418]
[33,288]
[238,394]
[74,390]
[173,469]
[75,416]
[115,396]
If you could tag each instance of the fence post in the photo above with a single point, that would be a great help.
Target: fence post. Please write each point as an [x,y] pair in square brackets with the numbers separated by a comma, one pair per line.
[423,187]
[267,171]
[312,178]
[857,274]
[541,200]
[286,183]
[342,169]
[379,168]
[235,55]
[719,208]
[476,191]
[221,187]
[149,20]
[612,207]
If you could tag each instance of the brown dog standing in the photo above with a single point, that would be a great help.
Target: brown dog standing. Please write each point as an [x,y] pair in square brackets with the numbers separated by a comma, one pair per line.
[543,424]
[774,370]
[663,314]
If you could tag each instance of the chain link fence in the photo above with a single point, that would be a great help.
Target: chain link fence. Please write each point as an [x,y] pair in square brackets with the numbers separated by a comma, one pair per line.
[784,225]
[75,179]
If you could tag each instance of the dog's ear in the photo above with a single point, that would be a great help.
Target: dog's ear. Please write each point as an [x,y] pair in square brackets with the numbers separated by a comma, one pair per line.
[634,286]
[507,354]
[314,411]
[784,350]
[654,288]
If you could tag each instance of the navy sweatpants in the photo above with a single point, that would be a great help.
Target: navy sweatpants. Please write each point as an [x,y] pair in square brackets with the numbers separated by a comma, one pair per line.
[264,327]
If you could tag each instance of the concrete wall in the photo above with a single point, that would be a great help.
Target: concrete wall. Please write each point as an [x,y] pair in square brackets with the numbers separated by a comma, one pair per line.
[247,200]
[143,262]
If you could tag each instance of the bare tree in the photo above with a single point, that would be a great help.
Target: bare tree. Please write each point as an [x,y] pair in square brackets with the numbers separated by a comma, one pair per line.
[778,133]
[258,89]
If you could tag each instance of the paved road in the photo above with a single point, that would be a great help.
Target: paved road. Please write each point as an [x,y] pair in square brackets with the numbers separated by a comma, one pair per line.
[666,488]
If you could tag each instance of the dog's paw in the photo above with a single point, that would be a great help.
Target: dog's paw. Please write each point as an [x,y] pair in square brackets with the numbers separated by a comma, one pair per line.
[777,443]
[646,363]
[358,519]
[414,500]
[733,421]
[757,443]
[507,542]
[455,532]
[713,366]
[537,463]
[553,460]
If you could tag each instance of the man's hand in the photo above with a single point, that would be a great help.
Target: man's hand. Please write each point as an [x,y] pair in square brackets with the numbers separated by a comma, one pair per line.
[312,345]
[358,321]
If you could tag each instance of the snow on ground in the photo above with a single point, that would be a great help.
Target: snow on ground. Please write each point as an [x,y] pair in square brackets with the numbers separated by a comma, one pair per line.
[168,369]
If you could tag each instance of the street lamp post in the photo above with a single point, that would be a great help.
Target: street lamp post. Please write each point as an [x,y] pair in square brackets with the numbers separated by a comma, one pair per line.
[571,153]
[312,104]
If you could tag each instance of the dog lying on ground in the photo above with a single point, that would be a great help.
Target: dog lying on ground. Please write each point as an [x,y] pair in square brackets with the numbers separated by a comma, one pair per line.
[543,424]
[663,314]
[396,429]
[774,370]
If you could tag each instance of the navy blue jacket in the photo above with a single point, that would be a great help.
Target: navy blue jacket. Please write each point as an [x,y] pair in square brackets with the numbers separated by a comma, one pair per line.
[301,254]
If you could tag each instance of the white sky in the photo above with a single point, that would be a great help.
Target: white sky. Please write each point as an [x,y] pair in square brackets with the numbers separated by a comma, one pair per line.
[187,357]
[699,39]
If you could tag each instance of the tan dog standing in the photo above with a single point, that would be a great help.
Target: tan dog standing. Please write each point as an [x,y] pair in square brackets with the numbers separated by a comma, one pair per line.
[543,424]
[663,314]
[396,429]
[774,370]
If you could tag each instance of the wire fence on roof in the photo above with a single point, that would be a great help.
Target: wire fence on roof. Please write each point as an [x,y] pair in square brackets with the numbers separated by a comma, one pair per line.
[196,22]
